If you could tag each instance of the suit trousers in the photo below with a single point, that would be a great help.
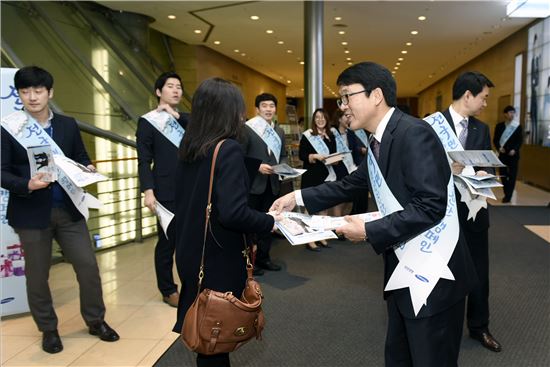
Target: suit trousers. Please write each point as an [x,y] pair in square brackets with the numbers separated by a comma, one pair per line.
[477,314]
[262,203]
[509,174]
[74,240]
[427,342]
[164,255]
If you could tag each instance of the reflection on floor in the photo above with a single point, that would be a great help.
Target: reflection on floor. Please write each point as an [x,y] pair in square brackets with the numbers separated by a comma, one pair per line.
[134,309]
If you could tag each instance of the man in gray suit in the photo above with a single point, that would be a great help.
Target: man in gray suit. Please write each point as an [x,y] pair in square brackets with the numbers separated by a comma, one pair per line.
[265,142]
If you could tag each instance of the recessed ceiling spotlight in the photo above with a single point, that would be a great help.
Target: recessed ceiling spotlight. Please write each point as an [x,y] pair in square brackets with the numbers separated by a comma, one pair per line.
[254,17]
[302,63]
[421,17]
[397,63]
[171,17]
[404,52]
[337,18]
[341,32]
[197,31]
[288,51]
[243,54]
[346,51]
[344,43]
[120,72]
[414,33]
[350,63]
[409,43]
[236,50]
[430,76]
[400,59]
[217,42]
[288,81]
[280,42]
[269,31]
[396,67]
[348,58]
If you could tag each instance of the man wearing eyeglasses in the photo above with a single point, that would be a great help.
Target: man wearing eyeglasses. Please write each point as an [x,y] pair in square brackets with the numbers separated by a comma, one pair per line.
[414,165]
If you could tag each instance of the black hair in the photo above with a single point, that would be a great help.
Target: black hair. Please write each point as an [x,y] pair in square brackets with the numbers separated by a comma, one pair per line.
[509,108]
[471,80]
[161,81]
[327,125]
[336,116]
[371,76]
[265,97]
[33,76]
[217,112]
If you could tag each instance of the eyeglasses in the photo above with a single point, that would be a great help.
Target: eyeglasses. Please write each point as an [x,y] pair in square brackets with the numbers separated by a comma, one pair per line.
[344,99]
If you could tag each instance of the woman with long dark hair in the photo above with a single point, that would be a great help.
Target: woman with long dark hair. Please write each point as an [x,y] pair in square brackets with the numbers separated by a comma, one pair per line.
[218,112]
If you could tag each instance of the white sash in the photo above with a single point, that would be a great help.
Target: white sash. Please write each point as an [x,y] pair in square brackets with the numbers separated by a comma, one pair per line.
[28,133]
[507,133]
[362,135]
[341,148]
[320,147]
[422,260]
[267,134]
[167,125]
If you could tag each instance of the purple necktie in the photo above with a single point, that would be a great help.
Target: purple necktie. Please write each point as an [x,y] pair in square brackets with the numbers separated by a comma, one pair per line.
[375,146]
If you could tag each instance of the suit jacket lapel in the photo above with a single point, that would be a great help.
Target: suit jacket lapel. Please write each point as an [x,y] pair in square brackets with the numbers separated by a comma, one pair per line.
[58,131]
[387,140]
[472,134]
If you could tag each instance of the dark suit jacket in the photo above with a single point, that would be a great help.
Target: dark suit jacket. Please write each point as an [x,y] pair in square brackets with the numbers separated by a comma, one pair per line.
[33,210]
[254,147]
[415,167]
[513,143]
[355,145]
[231,218]
[317,172]
[154,148]
[479,138]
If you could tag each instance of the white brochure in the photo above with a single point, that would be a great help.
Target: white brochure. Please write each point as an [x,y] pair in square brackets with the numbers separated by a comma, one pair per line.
[476,158]
[296,230]
[79,174]
[165,216]
[285,171]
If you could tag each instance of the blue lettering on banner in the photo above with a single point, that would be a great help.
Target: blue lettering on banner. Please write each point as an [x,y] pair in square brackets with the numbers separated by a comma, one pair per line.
[7,300]
[18,105]
[33,129]
[409,269]
[421,278]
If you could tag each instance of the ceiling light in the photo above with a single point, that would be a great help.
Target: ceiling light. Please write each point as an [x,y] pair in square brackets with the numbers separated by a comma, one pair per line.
[350,63]
[120,72]
[236,50]
[197,31]
[409,43]
[404,52]
[396,67]
[171,17]
[397,63]
[400,59]
[346,51]
[430,76]
[337,18]
[421,17]
[243,54]
[414,32]
[348,58]
[217,42]
[269,31]
[288,51]
[344,43]
[302,63]
[341,32]
[288,81]
[280,42]
[254,17]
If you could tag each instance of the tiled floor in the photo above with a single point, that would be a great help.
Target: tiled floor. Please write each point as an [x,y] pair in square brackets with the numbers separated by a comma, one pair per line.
[134,309]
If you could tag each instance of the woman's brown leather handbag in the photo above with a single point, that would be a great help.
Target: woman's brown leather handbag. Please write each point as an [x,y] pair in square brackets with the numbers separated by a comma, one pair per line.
[219,322]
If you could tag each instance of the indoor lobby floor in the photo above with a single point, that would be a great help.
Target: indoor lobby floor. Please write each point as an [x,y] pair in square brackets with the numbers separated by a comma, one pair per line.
[134,309]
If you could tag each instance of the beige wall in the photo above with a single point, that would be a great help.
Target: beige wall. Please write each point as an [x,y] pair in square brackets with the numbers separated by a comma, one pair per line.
[197,63]
[498,64]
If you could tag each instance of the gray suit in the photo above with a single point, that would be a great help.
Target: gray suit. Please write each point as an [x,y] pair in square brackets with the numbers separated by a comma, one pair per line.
[263,189]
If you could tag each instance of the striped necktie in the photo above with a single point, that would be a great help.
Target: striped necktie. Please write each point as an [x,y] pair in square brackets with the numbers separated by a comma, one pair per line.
[464,133]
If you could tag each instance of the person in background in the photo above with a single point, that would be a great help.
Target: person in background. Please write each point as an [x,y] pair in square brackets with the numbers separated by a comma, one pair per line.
[470,93]
[158,136]
[507,140]
[316,143]
[218,114]
[40,212]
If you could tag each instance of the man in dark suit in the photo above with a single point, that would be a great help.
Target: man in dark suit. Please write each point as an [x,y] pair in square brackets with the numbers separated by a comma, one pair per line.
[507,140]
[265,186]
[157,145]
[413,163]
[470,93]
[41,211]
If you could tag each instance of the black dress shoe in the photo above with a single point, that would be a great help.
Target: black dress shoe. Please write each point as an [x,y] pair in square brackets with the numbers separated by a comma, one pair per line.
[257,271]
[487,340]
[51,342]
[268,265]
[506,200]
[104,332]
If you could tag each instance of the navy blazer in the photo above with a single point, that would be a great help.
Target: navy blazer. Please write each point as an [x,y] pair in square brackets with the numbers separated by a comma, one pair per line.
[513,143]
[415,167]
[355,145]
[479,138]
[155,149]
[33,209]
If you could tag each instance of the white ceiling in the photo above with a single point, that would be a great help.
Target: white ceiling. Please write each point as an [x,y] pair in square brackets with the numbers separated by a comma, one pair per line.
[453,33]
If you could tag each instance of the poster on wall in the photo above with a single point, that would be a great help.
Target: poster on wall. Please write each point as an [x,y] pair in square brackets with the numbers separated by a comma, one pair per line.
[537,118]
[13,298]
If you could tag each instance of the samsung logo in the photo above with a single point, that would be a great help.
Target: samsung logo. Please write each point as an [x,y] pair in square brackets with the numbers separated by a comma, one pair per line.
[421,278]
[7,300]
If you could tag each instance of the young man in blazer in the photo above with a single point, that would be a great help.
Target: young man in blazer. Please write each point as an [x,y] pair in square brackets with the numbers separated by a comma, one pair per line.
[265,186]
[41,211]
[507,140]
[470,93]
[413,162]
[157,146]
